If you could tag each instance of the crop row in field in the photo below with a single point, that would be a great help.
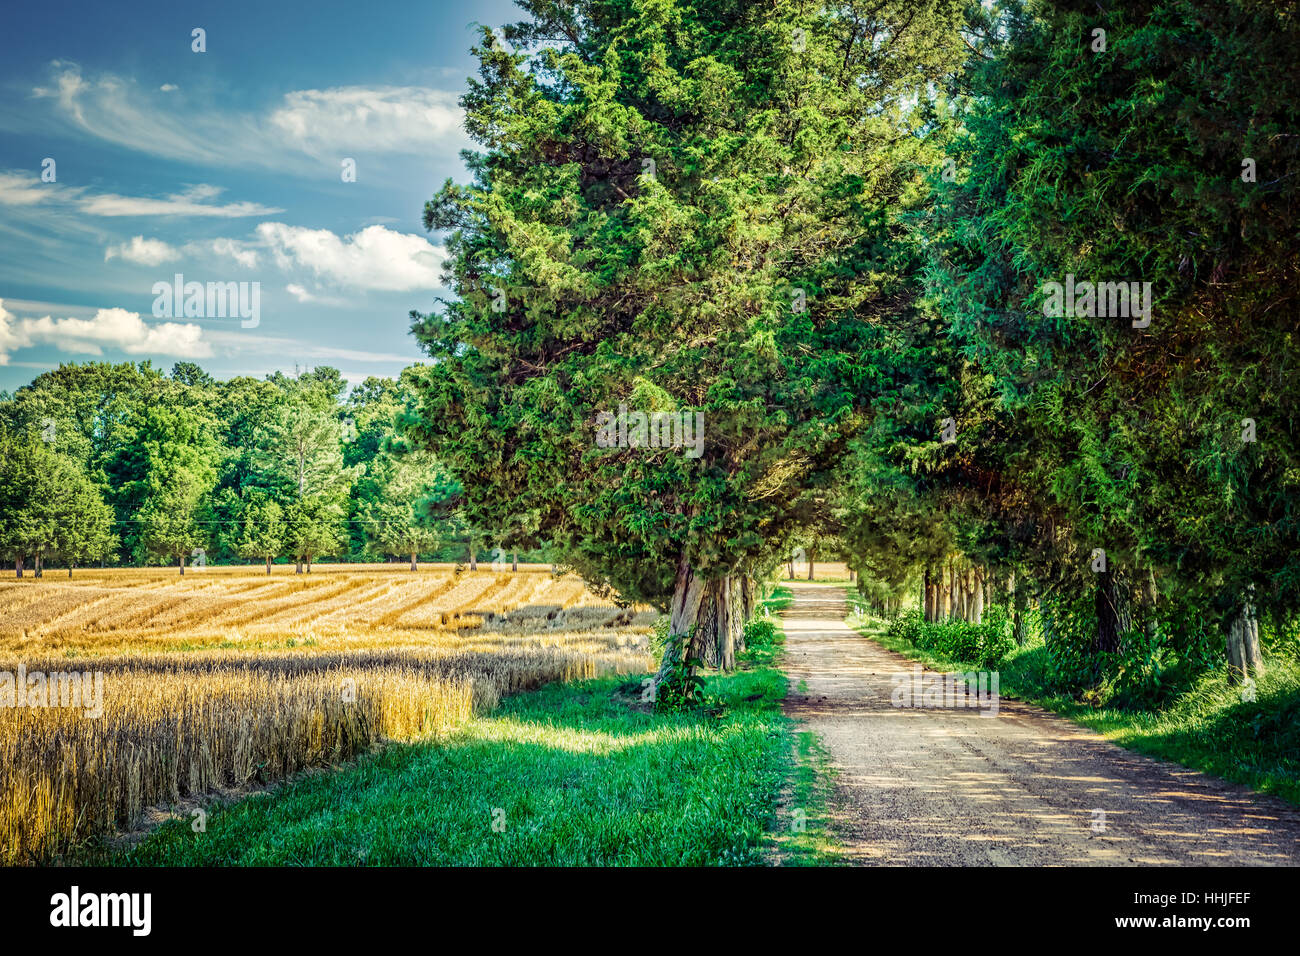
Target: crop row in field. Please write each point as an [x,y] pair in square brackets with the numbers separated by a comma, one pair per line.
[149,610]
[201,691]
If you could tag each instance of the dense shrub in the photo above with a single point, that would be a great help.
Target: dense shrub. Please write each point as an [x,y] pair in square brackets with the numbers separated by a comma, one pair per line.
[983,645]
[760,634]
[1155,662]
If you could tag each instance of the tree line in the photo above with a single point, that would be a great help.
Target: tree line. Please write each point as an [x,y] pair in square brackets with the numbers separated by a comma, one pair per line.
[1000,297]
[105,463]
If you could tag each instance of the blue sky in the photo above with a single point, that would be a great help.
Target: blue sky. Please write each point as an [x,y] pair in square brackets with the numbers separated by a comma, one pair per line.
[226,166]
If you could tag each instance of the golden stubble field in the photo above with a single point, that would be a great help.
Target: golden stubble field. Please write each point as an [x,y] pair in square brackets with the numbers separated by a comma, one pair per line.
[126,689]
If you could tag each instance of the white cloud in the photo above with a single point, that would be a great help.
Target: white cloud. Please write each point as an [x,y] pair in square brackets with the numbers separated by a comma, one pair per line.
[11,337]
[336,122]
[305,296]
[108,328]
[142,251]
[234,249]
[389,119]
[376,258]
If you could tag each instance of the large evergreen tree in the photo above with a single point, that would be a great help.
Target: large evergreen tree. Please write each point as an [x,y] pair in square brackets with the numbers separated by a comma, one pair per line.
[691,208]
[1146,142]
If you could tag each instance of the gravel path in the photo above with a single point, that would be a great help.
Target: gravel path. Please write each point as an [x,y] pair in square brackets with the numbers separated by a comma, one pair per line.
[946,786]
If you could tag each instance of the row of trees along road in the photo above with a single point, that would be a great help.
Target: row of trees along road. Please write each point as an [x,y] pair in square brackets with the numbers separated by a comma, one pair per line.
[833,233]
[831,230]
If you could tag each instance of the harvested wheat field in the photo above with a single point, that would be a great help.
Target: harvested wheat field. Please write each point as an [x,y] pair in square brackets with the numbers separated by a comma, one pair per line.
[226,678]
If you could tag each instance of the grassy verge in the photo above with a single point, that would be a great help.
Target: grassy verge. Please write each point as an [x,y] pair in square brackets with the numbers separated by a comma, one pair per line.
[577,774]
[801,836]
[1209,727]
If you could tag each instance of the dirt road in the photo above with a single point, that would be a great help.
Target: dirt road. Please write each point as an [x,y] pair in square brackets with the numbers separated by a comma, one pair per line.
[920,786]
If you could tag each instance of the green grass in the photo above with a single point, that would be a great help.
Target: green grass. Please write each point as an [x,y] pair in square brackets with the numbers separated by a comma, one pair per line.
[804,839]
[801,836]
[1209,727]
[578,774]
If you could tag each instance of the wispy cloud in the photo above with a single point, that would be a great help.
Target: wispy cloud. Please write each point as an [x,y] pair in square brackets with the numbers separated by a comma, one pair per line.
[316,123]
[312,298]
[18,188]
[234,249]
[375,259]
[191,202]
[293,349]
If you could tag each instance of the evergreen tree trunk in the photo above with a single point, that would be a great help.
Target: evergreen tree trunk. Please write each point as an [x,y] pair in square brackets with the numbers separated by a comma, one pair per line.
[952,591]
[740,609]
[746,598]
[1018,601]
[933,594]
[1244,657]
[688,593]
[718,627]
[1149,609]
[1113,620]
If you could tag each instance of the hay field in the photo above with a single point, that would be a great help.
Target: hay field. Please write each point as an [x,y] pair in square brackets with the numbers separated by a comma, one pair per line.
[226,678]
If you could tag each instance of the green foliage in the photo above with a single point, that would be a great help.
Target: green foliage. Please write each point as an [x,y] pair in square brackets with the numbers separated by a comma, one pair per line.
[48,505]
[682,687]
[760,634]
[1156,661]
[676,208]
[244,469]
[983,645]
[261,531]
